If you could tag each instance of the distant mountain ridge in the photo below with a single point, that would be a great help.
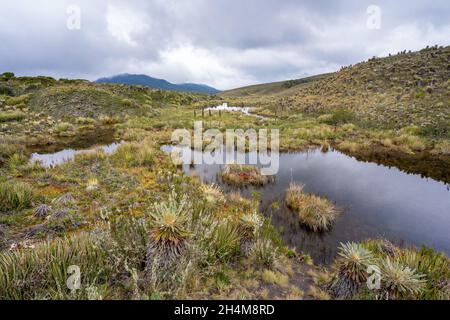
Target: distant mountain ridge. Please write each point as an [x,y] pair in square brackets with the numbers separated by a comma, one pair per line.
[144,80]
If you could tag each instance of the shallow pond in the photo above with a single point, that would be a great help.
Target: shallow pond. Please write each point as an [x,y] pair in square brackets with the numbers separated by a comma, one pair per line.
[377,201]
[225,107]
[57,158]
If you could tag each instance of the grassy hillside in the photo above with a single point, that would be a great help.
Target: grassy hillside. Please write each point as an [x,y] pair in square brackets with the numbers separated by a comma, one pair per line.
[282,88]
[392,93]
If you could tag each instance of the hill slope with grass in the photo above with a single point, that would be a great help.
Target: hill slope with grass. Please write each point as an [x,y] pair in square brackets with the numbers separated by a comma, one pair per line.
[80,98]
[393,92]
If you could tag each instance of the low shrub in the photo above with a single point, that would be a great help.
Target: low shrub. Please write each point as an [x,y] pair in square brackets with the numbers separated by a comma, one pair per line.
[63,127]
[6,90]
[20,100]
[12,116]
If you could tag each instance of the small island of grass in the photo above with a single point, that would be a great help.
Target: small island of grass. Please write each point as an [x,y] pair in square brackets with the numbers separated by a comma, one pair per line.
[316,213]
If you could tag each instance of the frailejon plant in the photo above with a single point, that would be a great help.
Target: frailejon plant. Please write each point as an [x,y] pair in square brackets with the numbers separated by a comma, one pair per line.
[353,261]
[400,281]
[352,266]
[42,211]
[168,234]
[249,225]
[212,194]
[436,268]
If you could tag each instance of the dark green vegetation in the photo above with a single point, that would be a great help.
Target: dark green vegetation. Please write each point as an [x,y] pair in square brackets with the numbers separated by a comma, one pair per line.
[144,80]
[139,228]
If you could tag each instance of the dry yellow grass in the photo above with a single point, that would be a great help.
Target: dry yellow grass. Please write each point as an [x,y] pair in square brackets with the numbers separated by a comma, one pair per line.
[276,278]
[315,212]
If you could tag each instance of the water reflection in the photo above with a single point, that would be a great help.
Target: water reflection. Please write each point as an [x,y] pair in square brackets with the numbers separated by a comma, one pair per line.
[378,202]
[225,107]
[57,158]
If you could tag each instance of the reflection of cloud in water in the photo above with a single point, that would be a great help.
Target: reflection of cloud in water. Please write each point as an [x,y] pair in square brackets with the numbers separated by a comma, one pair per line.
[57,158]
[378,201]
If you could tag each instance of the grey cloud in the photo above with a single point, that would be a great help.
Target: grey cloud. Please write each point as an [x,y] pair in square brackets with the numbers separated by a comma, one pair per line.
[224,43]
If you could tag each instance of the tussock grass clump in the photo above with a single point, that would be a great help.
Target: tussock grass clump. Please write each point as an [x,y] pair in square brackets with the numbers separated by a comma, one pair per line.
[63,127]
[435,266]
[314,212]
[8,149]
[12,116]
[64,200]
[134,155]
[264,253]
[107,120]
[442,147]
[242,175]
[415,143]
[348,146]
[20,100]
[91,156]
[17,160]
[15,196]
[41,272]
[273,277]
[237,200]
[84,120]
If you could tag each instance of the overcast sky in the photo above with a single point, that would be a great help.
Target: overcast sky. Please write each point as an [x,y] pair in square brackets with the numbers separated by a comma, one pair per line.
[222,43]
